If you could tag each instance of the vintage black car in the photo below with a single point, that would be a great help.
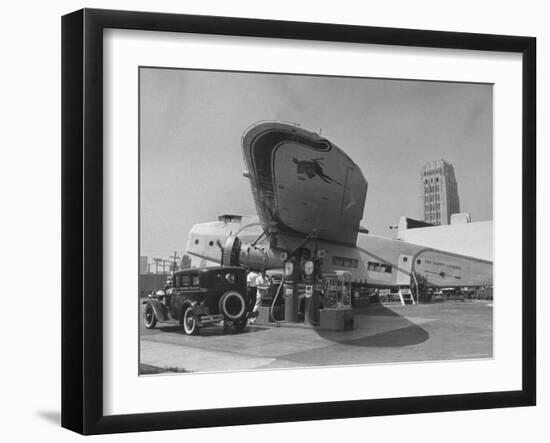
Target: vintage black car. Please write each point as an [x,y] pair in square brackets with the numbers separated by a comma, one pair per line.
[200,297]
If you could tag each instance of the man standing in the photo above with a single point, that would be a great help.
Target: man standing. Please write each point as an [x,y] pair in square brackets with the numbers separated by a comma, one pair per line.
[251,285]
[262,283]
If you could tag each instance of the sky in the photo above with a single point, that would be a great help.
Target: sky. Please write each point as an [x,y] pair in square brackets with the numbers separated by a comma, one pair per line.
[191,123]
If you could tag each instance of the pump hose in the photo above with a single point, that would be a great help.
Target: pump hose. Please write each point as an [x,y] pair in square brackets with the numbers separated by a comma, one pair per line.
[274,300]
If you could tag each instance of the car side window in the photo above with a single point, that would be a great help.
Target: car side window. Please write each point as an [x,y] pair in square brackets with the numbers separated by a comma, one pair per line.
[195,280]
[184,280]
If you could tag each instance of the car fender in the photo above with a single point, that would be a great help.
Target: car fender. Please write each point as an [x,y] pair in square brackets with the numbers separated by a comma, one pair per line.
[185,303]
[158,308]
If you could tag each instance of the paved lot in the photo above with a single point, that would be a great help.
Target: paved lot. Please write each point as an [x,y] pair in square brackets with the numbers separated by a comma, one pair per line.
[383,334]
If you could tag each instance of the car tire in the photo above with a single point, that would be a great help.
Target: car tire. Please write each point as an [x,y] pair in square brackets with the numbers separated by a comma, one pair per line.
[149,317]
[240,324]
[227,311]
[189,321]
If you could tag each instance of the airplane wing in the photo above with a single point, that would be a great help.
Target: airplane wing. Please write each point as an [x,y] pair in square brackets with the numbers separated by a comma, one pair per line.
[301,182]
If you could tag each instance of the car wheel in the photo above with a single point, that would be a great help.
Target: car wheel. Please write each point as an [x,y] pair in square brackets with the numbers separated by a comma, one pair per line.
[149,317]
[232,305]
[240,325]
[190,324]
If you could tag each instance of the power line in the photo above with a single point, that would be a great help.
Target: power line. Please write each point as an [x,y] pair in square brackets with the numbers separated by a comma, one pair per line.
[157,261]
[174,261]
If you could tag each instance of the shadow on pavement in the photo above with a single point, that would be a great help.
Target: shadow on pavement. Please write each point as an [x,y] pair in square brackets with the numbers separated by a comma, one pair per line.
[397,330]
[407,336]
[145,369]
[213,330]
[375,309]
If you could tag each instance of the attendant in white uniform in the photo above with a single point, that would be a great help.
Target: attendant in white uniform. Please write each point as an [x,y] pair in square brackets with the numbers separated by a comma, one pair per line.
[262,284]
[251,284]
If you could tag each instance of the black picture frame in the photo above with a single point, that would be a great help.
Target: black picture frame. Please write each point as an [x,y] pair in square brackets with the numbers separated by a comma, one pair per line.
[82,215]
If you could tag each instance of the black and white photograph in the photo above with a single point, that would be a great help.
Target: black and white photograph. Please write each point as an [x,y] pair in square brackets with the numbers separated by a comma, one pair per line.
[275,221]
[297,221]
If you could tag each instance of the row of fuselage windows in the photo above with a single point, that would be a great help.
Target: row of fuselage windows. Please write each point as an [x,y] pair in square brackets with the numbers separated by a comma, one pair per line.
[354,263]
[379,267]
[344,261]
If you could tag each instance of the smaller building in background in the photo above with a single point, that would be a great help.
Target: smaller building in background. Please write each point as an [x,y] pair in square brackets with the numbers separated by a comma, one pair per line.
[461,217]
[143,264]
[438,192]
[461,236]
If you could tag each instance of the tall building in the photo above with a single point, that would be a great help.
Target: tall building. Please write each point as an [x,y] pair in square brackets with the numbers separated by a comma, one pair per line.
[185,262]
[438,192]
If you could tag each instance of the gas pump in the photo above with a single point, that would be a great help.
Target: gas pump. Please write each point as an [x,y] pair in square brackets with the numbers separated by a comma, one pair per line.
[301,274]
[312,291]
[337,314]
[291,275]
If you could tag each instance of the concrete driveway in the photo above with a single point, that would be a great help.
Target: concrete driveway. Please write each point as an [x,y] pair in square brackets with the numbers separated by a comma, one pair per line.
[383,334]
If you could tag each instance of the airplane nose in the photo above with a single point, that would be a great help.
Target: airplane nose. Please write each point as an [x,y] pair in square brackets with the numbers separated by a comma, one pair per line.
[206,240]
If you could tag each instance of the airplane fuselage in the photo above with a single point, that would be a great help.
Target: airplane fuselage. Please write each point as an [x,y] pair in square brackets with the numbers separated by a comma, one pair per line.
[376,261]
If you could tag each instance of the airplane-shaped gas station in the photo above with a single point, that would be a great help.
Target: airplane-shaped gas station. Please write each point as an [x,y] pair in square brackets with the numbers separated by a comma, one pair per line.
[310,199]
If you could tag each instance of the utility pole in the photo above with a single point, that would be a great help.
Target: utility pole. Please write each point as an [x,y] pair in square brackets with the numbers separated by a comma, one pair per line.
[174,261]
[157,261]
